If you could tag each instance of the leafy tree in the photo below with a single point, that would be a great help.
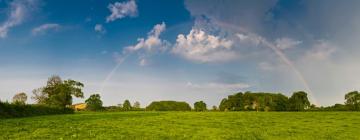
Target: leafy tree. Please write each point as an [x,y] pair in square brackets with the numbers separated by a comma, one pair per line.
[136,105]
[299,101]
[200,106]
[254,101]
[224,105]
[58,92]
[20,98]
[127,105]
[94,102]
[214,108]
[353,100]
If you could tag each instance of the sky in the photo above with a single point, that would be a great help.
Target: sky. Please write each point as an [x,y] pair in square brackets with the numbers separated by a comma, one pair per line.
[188,50]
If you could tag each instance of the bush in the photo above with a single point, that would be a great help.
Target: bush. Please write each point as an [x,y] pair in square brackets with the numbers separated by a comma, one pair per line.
[168,106]
[8,110]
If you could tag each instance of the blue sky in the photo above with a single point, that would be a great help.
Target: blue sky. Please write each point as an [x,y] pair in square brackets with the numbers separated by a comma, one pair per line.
[181,50]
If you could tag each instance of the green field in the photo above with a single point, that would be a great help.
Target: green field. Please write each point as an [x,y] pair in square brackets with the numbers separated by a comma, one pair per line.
[186,125]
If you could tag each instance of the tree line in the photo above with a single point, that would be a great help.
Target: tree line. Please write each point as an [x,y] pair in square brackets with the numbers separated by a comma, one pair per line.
[58,93]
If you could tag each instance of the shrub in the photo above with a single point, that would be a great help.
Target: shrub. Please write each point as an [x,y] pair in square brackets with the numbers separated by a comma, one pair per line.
[8,110]
[168,106]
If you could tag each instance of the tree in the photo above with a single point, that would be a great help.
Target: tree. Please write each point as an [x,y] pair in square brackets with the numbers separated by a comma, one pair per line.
[94,102]
[224,105]
[214,108]
[200,106]
[127,105]
[136,105]
[353,100]
[168,106]
[20,98]
[299,101]
[58,92]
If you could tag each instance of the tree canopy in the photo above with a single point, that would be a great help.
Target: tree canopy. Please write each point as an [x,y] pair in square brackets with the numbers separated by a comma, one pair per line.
[20,98]
[168,106]
[127,105]
[353,100]
[58,92]
[200,106]
[299,101]
[254,101]
[94,102]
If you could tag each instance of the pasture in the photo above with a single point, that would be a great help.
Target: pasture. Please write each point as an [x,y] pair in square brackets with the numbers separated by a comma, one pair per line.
[185,125]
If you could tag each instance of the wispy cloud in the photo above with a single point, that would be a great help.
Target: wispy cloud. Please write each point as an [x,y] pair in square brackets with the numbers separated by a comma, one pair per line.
[17,12]
[286,43]
[121,10]
[42,29]
[99,28]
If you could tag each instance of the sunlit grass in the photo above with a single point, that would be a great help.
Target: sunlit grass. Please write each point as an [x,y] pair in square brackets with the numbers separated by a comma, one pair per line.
[185,125]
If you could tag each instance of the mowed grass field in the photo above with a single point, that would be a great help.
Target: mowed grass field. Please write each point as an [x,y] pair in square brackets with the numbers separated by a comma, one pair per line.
[186,125]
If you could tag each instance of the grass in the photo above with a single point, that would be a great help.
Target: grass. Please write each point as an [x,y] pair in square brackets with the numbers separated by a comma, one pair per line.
[186,125]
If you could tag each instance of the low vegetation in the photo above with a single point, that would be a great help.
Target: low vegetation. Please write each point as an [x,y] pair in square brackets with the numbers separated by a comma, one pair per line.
[8,110]
[186,125]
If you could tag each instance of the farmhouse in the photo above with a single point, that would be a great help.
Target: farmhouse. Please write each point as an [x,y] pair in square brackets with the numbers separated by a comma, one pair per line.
[79,106]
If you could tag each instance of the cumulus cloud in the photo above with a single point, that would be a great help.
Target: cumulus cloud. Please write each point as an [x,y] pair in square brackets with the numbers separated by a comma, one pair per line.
[152,42]
[121,10]
[17,12]
[147,46]
[42,29]
[100,29]
[201,47]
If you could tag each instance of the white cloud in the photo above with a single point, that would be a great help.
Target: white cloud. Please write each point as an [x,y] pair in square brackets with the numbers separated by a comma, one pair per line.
[16,13]
[201,47]
[286,43]
[120,10]
[42,29]
[152,44]
[99,29]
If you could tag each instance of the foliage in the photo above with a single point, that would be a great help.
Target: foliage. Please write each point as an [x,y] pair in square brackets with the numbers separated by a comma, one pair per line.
[127,105]
[20,98]
[200,106]
[168,106]
[94,102]
[58,92]
[136,105]
[186,125]
[8,110]
[254,101]
[299,101]
[353,100]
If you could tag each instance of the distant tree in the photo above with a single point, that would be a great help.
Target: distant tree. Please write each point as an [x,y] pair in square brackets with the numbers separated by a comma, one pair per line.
[168,106]
[127,105]
[299,101]
[58,92]
[20,98]
[94,102]
[224,105]
[353,100]
[214,108]
[200,106]
[136,105]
